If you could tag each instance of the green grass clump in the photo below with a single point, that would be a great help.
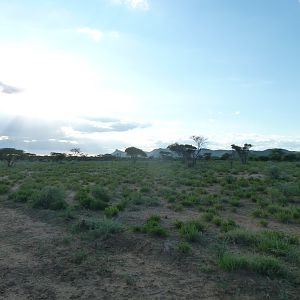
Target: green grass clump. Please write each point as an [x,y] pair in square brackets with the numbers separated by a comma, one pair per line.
[100,194]
[192,231]
[184,247]
[264,265]
[3,188]
[95,228]
[217,221]
[269,241]
[152,226]
[50,197]
[111,211]
[228,225]
[89,202]
[23,194]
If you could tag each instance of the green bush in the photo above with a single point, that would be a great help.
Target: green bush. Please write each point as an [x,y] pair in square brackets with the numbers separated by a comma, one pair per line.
[96,228]
[274,172]
[84,198]
[184,247]
[228,225]
[192,231]
[153,227]
[97,204]
[87,201]
[23,194]
[50,197]
[111,211]
[100,194]
[3,189]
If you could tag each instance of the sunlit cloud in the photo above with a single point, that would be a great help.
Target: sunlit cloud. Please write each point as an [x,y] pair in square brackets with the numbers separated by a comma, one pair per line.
[59,85]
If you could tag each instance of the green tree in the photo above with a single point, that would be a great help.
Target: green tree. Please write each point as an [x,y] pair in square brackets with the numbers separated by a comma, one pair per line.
[134,153]
[10,155]
[58,156]
[243,152]
[277,154]
[185,152]
[200,142]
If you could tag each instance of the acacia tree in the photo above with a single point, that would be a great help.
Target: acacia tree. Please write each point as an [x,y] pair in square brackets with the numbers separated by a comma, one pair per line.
[185,152]
[201,142]
[243,152]
[75,151]
[10,155]
[134,153]
[58,156]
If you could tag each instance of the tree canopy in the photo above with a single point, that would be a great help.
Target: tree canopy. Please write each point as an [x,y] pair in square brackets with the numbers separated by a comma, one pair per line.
[242,152]
[10,154]
[134,152]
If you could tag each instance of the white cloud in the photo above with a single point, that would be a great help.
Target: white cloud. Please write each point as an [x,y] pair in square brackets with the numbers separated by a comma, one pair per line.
[3,138]
[95,34]
[98,35]
[259,141]
[134,4]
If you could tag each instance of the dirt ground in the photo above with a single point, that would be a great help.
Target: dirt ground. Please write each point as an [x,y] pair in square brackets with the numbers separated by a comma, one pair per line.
[38,261]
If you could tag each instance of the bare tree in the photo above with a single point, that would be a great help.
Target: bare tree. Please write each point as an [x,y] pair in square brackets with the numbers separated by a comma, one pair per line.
[75,151]
[200,142]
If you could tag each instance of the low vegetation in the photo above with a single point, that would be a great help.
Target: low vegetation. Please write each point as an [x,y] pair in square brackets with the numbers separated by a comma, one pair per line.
[214,218]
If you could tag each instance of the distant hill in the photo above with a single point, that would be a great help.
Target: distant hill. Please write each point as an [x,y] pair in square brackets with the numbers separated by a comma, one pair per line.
[156,153]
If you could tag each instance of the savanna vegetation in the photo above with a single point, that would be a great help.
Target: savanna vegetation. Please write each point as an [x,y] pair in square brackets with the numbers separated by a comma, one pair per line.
[154,229]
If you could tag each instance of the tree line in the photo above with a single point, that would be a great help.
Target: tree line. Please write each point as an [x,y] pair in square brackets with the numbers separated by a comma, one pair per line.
[189,154]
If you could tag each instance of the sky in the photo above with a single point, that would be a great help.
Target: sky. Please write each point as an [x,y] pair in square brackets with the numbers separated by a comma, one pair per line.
[102,75]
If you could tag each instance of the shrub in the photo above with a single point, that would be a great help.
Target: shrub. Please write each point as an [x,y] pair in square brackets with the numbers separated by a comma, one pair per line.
[122,204]
[192,231]
[263,223]
[84,198]
[97,204]
[235,202]
[100,194]
[111,211]
[3,189]
[274,172]
[23,194]
[178,224]
[228,225]
[50,197]
[96,228]
[259,213]
[184,247]
[87,201]
[153,227]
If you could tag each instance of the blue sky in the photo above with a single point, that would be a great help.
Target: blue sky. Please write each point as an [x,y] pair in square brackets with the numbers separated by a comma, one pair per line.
[106,74]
